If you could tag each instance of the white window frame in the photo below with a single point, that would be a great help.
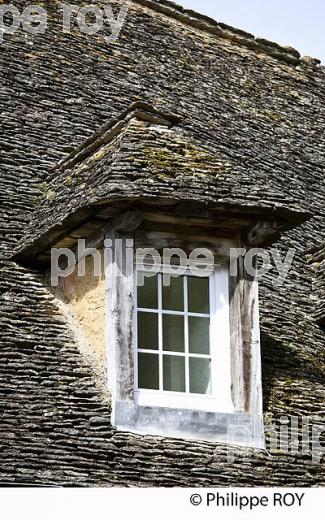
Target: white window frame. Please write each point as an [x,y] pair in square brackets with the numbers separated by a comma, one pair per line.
[220,400]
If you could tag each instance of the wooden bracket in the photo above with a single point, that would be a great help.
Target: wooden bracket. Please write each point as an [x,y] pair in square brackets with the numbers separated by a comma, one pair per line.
[126,223]
[263,232]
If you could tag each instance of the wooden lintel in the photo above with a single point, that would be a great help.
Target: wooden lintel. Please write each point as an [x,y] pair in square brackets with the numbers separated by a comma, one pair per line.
[220,247]
[191,209]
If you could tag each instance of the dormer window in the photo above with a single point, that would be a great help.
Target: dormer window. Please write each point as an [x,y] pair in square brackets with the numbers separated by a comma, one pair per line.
[183,353]
[182,340]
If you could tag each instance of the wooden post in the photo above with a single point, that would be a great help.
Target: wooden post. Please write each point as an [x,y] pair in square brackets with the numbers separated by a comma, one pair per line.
[119,282]
[119,288]
[245,341]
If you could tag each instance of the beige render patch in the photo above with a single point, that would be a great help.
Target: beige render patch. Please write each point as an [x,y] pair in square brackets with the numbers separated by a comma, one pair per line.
[86,301]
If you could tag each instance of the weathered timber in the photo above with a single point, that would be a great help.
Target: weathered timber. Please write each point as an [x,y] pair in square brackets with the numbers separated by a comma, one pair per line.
[245,339]
[119,283]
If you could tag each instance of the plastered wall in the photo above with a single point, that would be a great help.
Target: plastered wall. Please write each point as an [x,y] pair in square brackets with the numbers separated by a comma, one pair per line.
[85,296]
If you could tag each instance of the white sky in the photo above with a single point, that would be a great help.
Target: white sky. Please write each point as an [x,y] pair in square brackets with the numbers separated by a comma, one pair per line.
[298,23]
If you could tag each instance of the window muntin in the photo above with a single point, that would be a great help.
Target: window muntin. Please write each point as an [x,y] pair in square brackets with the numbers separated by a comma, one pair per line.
[182,339]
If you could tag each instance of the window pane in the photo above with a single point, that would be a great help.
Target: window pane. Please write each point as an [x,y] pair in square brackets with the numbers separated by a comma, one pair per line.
[148,294]
[173,296]
[200,376]
[173,333]
[148,371]
[198,295]
[148,330]
[174,373]
[199,339]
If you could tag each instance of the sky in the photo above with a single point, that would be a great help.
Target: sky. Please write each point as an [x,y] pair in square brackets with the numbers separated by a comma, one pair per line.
[297,23]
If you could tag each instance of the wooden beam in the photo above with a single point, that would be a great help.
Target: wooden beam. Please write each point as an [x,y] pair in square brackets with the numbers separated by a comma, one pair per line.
[159,240]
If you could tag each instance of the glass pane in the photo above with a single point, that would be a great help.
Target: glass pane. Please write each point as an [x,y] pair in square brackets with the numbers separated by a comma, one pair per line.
[173,296]
[174,373]
[148,294]
[173,333]
[200,376]
[198,295]
[148,330]
[148,371]
[199,337]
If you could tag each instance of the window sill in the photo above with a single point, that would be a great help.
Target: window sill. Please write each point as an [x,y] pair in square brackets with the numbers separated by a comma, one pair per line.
[228,428]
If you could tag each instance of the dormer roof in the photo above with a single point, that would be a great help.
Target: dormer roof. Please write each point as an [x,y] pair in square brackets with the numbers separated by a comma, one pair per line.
[149,156]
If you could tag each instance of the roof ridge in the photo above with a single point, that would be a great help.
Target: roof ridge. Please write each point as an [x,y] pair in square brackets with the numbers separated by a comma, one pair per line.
[139,109]
[284,53]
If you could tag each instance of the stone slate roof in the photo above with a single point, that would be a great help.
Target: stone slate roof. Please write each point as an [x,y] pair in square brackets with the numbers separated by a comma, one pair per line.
[148,155]
[318,263]
[263,108]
